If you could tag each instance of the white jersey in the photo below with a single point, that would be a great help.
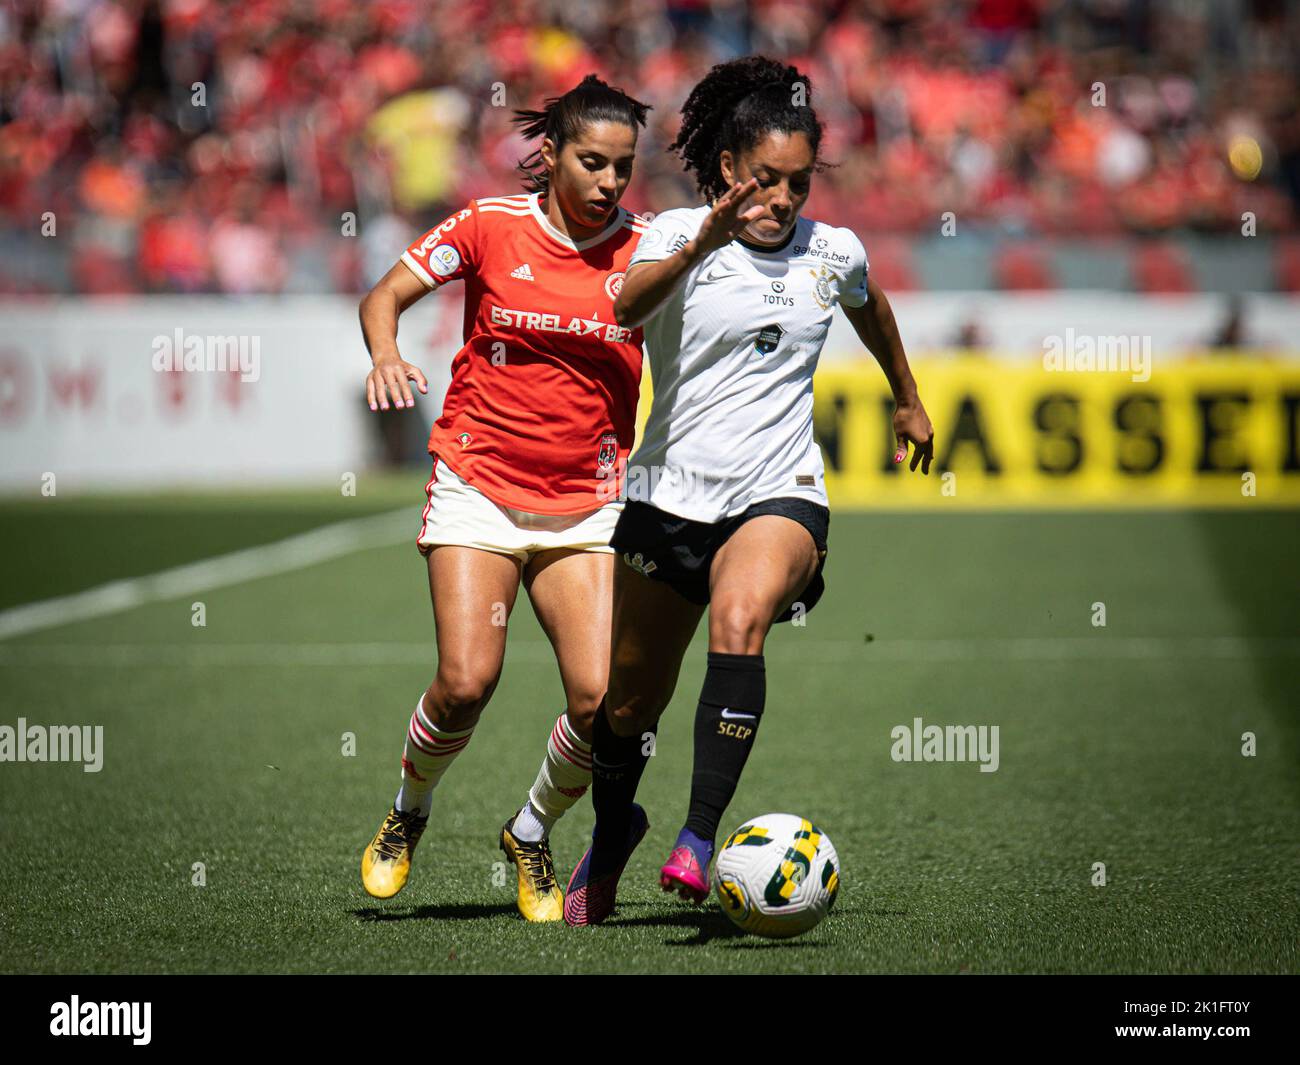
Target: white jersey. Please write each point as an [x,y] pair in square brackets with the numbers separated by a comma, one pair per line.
[732,354]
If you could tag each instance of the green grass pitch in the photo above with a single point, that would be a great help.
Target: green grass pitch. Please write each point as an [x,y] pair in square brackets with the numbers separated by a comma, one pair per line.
[223,745]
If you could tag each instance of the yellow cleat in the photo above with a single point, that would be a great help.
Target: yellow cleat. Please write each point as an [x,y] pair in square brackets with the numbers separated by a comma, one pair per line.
[387,861]
[540,897]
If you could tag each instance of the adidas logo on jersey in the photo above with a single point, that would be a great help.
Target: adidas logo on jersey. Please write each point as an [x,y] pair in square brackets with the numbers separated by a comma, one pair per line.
[523,272]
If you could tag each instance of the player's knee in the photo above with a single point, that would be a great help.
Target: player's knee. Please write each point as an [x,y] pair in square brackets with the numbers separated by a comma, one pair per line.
[632,712]
[460,692]
[738,626]
[583,704]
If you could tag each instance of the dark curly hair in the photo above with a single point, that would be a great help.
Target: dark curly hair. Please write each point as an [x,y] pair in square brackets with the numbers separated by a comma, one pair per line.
[734,106]
[564,117]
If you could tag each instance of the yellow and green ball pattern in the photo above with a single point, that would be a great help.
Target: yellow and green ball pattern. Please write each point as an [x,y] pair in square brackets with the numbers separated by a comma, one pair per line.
[777,875]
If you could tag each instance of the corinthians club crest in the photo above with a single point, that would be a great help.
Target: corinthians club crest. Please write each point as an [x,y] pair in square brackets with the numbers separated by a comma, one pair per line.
[822,286]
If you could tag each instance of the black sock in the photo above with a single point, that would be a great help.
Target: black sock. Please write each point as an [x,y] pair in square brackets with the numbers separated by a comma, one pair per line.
[726,722]
[617,763]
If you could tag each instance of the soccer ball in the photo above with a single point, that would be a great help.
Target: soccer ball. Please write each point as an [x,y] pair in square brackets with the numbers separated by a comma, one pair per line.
[777,875]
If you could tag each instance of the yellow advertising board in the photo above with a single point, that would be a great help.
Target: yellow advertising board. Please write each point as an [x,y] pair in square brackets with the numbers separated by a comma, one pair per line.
[1212,431]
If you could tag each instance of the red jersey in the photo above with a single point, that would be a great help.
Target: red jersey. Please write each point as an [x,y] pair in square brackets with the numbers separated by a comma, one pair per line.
[541,409]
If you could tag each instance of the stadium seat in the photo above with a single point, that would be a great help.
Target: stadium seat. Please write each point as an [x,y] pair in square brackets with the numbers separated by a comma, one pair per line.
[1161,267]
[1286,265]
[1023,267]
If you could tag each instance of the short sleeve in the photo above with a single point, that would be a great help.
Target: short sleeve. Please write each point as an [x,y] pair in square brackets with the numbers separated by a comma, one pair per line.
[854,291]
[448,251]
[665,236]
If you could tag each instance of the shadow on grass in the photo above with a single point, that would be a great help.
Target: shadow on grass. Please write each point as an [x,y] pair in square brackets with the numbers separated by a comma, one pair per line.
[1256,561]
[706,926]
[461,911]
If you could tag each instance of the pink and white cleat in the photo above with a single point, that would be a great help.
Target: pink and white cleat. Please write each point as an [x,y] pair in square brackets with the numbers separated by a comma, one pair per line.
[685,872]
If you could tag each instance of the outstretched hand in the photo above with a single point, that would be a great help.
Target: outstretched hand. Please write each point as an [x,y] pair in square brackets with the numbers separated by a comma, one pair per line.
[728,218]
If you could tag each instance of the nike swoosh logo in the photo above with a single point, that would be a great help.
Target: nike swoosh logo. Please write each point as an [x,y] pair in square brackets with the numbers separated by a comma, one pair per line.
[731,715]
[716,274]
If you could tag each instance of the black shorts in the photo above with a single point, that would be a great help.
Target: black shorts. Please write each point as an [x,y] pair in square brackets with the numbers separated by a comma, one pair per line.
[679,552]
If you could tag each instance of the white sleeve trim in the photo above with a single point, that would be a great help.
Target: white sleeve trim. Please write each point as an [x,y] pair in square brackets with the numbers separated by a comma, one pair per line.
[419,271]
[647,258]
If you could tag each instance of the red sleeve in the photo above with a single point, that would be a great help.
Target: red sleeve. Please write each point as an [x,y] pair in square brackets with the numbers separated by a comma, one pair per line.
[448,251]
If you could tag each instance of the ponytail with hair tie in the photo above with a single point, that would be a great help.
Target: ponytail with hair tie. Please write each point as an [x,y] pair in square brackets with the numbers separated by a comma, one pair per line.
[563,118]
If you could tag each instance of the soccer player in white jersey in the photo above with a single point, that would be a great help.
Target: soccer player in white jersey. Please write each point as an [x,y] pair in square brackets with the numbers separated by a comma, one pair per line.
[726,505]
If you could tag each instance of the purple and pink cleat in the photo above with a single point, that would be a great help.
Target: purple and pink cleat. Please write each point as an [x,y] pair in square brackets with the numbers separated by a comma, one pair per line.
[687,868]
[588,899]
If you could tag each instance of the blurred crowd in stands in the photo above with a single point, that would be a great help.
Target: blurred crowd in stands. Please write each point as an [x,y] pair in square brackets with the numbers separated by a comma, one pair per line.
[257,146]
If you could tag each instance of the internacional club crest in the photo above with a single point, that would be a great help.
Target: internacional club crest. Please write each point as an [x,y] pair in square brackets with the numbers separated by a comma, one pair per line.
[606,454]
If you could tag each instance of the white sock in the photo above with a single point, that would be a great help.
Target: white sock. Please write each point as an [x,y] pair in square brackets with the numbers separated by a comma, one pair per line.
[531,825]
[420,803]
[428,754]
[563,779]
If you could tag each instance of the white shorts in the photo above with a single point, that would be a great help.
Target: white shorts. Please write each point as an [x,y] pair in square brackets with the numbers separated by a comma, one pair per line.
[458,513]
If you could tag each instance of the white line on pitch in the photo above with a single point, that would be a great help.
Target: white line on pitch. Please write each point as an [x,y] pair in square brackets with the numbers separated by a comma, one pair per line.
[788,651]
[265,560]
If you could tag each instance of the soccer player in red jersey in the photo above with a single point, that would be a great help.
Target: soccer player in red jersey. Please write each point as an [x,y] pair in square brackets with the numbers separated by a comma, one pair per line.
[527,455]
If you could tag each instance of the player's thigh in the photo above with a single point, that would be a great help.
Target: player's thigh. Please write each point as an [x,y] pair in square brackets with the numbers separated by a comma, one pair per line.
[573,596]
[652,627]
[473,592]
[756,575]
